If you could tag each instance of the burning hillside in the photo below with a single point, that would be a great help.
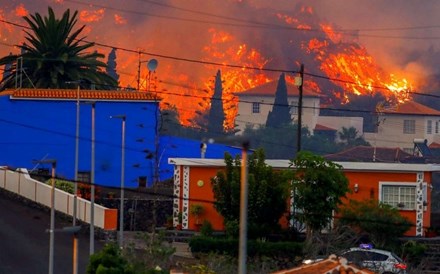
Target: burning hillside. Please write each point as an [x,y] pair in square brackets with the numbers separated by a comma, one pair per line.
[259,51]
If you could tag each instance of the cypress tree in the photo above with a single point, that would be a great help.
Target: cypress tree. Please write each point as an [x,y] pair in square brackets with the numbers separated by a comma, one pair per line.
[216,116]
[111,65]
[280,114]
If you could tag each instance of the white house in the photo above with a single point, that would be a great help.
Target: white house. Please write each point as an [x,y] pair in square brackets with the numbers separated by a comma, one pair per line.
[401,125]
[254,105]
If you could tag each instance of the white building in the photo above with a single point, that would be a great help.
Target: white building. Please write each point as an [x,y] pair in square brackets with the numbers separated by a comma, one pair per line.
[400,126]
[254,106]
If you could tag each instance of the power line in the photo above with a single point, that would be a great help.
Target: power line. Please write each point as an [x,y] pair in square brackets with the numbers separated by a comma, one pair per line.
[258,24]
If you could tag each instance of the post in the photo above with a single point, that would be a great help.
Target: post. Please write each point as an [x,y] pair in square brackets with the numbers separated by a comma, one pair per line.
[243,209]
[139,72]
[121,207]
[121,216]
[52,219]
[300,107]
[75,253]
[51,230]
[75,184]
[92,186]
[52,213]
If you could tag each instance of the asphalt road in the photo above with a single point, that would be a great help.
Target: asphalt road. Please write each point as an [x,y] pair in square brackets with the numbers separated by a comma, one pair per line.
[24,242]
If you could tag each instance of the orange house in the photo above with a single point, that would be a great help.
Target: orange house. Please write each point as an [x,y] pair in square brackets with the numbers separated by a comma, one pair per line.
[405,186]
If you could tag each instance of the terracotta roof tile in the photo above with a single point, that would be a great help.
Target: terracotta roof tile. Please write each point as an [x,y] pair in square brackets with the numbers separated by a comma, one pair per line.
[434,145]
[332,265]
[366,154]
[324,128]
[270,88]
[67,94]
[413,108]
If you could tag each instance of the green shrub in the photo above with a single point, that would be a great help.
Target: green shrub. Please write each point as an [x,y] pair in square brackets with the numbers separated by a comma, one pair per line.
[109,260]
[255,248]
[413,252]
[206,228]
[63,185]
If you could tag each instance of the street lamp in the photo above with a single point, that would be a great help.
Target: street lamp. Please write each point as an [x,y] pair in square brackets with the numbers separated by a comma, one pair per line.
[74,231]
[121,207]
[52,211]
[92,185]
[242,252]
[243,208]
[151,65]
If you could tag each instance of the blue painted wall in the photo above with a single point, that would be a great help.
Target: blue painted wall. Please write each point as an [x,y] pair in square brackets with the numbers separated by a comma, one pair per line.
[45,129]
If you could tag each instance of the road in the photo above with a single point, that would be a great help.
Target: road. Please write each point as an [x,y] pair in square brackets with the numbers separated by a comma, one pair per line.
[24,242]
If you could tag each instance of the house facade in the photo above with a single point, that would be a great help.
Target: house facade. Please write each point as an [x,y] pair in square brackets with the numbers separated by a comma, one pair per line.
[401,125]
[40,124]
[256,103]
[405,186]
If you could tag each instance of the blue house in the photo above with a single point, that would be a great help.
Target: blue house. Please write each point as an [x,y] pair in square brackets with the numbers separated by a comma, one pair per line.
[41,124]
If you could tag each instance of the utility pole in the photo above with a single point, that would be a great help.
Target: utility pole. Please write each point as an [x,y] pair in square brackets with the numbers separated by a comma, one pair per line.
[299,82]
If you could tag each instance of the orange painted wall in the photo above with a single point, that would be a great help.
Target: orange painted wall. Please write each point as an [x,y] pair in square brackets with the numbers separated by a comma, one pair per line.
[203,195]
[368,189]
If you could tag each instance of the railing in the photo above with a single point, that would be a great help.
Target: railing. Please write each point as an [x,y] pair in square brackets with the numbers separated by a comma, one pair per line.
[21,183]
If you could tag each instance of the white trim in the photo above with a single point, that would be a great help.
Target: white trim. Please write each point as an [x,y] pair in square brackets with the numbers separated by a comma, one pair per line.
[283,164]
[412,184]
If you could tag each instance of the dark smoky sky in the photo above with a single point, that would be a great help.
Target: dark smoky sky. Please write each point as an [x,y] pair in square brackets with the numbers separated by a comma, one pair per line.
[403,36]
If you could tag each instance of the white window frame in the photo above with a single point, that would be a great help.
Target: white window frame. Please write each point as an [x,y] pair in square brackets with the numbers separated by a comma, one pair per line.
[402,185]
[409,126]
[429,127]
[293,108]
[256,107]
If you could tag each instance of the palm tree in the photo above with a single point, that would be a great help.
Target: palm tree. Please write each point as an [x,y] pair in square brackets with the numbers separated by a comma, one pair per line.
[53,55]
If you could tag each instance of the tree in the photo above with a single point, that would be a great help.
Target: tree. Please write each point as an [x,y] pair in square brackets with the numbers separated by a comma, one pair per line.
[268,193]
[349,137]
[109,260]
[216,116]
[280,114]
[111,65]
[54,54]
[381,222]
[318,186]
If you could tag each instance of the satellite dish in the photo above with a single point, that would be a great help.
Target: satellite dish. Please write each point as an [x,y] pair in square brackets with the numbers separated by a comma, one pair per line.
[152,64]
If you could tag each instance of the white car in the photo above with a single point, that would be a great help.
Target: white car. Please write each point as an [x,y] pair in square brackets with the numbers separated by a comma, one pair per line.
[380,261]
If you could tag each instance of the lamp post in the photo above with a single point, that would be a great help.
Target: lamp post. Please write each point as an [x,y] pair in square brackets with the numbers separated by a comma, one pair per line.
[74,231]
[121,207]
[299,81]
[53,162]
[242,252]
[92,185]
[243,208]
[75,185]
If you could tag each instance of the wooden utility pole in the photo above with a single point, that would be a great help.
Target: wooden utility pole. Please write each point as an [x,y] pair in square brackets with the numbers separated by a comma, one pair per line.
[300,107]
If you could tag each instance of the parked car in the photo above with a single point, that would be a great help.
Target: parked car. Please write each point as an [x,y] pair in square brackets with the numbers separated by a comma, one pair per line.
[380,261]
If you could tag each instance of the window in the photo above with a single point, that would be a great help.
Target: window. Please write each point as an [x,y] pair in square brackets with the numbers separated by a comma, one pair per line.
[409,126]
[293,108]
[142,181]
[255,107]
[84,176]
[429,127]
[402,197]
[436,127]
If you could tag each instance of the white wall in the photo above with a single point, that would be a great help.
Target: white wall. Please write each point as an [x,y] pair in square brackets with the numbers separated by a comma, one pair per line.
[21,183]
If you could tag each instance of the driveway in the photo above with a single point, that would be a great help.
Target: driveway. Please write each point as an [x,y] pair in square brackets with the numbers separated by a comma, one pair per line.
[24,242]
